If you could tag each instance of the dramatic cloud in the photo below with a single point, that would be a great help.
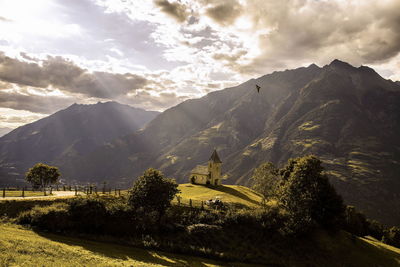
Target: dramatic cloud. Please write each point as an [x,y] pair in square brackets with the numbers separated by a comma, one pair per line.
[175,10]
[224,12]
[361,32]
[155,54]
[64,74]
[33,103]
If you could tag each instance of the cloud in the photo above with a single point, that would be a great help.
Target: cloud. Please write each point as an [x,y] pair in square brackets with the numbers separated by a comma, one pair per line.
[224,12]
[65,75]
[176,10]
[19,119]
[3,19]
[33,103]
[146,100]
[298,32]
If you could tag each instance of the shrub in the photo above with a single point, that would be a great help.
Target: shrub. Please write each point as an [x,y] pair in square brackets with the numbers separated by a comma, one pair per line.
[53,218]
[308,197]
[152,192]
[355,222]
[392,236]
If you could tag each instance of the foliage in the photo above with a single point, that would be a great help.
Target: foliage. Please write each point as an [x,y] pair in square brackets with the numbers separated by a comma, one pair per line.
[152,192]
[392,236]
[355,222]
[308,197]
[41,175]
[52,218]
[265,180]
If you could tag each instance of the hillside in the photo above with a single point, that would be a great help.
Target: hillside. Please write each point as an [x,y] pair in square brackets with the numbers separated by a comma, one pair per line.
[228,193]
[68,134]
[347,116]
[23,247]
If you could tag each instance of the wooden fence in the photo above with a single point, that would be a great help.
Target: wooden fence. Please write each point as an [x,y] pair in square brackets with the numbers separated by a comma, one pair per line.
[28,192]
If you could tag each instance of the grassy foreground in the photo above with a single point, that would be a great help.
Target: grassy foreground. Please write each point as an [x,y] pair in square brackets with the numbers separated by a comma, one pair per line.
[227,193]
[22,247]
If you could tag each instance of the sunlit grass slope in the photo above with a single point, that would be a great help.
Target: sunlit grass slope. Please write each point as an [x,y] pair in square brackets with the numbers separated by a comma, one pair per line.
[22,247]
[227,193]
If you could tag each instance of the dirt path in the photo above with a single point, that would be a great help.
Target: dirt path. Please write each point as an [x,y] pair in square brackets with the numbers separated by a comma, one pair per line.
[57,194]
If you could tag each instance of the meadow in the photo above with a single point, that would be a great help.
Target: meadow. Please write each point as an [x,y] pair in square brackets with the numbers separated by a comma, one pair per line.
[23,247]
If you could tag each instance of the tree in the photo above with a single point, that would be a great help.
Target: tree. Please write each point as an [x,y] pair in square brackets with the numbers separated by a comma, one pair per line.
[41,175]
[355,222]
[308,197]
[265,180]
[152,192]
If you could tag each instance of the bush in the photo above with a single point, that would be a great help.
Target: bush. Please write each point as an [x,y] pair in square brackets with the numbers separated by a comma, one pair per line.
[53,218]
[392,236]
[152,193]
[355,222]
[88,215]
[308,197]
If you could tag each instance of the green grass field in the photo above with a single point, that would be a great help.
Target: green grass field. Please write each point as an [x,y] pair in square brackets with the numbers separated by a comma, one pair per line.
[22,247]
[226,193]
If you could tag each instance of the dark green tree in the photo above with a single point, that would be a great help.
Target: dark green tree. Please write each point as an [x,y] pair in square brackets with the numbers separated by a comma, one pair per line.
[308,197]
[152,192]
[265,180]
[355,222]
[42,175]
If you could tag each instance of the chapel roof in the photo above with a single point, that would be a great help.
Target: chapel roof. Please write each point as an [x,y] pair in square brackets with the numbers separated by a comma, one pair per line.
[200,169]
[214,157]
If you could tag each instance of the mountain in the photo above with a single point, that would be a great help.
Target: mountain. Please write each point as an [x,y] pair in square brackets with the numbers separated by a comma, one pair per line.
[4,131]
[68,134]
[348,116]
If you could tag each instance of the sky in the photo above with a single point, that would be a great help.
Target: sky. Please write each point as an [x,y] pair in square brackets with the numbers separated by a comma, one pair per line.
[156,54]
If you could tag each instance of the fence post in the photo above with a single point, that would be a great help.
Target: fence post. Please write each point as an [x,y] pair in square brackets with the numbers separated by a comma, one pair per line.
[115,191]
[119,192]
[63,187]
[44,190]
[190,202]
[23,191]
[4,192]
[202,205]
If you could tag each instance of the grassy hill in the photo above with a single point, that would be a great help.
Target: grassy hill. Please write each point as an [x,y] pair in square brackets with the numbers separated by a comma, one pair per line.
[22,247]
[227,193]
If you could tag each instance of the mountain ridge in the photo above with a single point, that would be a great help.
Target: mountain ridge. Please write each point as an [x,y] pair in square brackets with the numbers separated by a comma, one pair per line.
[68,133]
[348,116]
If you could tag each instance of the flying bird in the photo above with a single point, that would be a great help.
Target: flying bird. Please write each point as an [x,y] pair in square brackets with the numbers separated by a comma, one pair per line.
[258,88]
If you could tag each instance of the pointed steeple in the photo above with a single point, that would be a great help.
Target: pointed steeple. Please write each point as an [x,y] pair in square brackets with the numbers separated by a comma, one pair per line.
[214,157]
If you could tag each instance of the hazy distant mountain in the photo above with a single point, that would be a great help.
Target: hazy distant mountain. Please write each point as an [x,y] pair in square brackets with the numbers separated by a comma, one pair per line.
[68,134]
[4,131]
[350,117]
